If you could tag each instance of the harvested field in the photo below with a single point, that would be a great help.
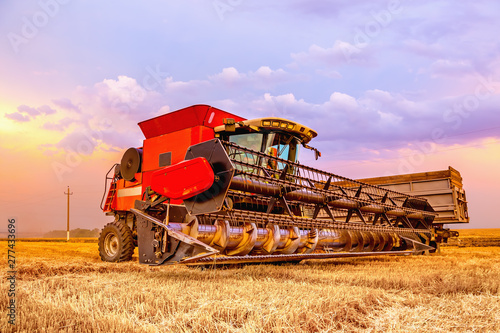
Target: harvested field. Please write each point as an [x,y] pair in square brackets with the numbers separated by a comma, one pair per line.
[64,287]
[476,237]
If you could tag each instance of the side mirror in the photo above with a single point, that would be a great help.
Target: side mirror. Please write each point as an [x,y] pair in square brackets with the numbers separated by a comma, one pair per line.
[317,153]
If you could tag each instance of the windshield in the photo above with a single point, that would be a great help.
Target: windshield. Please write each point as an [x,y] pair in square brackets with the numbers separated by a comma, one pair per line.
[249,140]
[281,145]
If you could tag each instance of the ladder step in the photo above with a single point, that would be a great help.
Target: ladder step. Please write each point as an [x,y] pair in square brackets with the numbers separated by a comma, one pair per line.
[111,196]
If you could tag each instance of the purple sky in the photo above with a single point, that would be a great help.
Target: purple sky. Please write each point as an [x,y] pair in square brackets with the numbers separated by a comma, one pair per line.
[391,87]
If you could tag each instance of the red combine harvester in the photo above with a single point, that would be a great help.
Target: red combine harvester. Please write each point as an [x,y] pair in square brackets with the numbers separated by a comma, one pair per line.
[209,186]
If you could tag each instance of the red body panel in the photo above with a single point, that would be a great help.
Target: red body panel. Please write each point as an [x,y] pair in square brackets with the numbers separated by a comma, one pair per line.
[170,134]
[176,143]
[123,195]
[184,179]
[127,192]
[192,116]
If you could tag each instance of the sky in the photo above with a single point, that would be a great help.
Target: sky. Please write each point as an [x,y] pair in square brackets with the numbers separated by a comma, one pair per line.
[391,87]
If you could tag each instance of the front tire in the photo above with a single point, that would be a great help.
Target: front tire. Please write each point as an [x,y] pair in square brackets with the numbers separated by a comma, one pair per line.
[116,242]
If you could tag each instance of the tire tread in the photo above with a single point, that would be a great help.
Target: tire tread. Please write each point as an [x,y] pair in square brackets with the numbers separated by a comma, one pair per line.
[127,241]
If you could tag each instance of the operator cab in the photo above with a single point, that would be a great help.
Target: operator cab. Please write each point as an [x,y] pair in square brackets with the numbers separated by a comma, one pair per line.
[275,137]
[270,143]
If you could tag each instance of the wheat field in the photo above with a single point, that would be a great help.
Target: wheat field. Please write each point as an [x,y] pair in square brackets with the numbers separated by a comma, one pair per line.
[64,287]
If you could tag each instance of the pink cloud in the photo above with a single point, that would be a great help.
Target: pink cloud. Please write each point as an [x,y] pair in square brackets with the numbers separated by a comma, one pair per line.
[59,126]
[18,117]
[28,110]
[339,54]
[66,103]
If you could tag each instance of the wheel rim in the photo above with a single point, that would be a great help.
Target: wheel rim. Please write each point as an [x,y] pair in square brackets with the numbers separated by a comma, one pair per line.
[111,245]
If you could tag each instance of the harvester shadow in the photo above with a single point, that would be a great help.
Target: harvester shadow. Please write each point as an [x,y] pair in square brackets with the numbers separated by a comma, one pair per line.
[307,262]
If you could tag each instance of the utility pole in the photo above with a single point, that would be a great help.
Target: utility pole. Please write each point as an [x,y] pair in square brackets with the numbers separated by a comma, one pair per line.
[67,233]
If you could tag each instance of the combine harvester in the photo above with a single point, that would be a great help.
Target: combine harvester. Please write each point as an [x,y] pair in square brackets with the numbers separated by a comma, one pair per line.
[208,186]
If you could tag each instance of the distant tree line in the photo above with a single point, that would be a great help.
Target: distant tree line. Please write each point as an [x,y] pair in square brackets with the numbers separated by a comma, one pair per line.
[75,233]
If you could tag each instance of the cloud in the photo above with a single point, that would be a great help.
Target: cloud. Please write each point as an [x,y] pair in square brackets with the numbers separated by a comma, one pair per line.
[371,119]
[378,119]
[26,113]
[343,101]
[286,105]
[339,54]
[192,87]
[123,90]
[122,102]
[318,8]
[427,50]
[263,78]
[66,103]
[18,117]
[46,110]
[332,74]
[59,126]
[117,99]
[451,68]
[108,114]
[82,143]
[228,75]
[28,110]
[42,110]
